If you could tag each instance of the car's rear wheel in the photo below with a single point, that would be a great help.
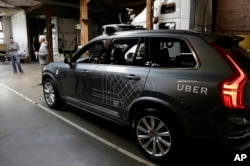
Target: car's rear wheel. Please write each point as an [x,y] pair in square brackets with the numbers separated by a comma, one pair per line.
[51,95]
[156,135]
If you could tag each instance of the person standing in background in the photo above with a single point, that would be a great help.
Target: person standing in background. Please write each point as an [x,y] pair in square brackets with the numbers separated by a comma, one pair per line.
[36,46]
[42,53]
[12,49]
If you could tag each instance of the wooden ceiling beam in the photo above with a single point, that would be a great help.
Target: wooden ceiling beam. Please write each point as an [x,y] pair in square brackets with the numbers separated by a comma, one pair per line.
[35,7]
[60,3]
[116,7]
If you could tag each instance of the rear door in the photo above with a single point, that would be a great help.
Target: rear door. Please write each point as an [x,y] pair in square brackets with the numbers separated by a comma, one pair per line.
[118,83]
[178,77]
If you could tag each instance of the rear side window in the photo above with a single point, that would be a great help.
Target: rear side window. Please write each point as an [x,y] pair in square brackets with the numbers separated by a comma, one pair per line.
[170,52]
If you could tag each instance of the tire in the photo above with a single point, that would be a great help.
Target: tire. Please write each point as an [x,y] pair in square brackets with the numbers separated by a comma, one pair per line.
[51,95]
[156,136]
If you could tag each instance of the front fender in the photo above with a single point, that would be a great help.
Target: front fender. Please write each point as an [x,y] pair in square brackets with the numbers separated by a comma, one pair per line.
[48,74]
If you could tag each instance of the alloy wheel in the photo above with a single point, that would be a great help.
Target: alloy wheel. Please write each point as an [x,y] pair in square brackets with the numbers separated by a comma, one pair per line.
[49,93]
[153,136]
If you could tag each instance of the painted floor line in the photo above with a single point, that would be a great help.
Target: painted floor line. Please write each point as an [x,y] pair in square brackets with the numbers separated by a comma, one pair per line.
[127,153]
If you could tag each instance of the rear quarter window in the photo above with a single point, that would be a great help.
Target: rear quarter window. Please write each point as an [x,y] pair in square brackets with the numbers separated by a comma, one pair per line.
[171,52]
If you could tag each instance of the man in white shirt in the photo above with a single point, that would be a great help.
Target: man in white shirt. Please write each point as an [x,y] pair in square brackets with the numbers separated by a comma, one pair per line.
[43,53]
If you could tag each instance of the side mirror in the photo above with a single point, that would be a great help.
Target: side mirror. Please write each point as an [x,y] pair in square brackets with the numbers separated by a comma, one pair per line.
[68,59]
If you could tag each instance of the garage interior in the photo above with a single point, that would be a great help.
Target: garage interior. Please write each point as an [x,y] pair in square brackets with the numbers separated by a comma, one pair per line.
[87,13]
[39,14]
[32,134]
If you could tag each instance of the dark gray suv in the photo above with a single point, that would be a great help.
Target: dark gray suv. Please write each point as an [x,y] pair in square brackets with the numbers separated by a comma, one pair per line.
[170,87]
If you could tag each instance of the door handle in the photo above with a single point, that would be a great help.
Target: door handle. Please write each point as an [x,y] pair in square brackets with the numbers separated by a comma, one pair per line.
[85,71]
[133,77]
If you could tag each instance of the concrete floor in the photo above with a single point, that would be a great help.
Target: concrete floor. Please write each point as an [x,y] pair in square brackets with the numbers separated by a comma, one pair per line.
[30,135]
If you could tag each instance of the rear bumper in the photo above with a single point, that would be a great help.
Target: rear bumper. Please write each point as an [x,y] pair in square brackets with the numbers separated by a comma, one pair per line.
[239,127]
[239,140]
[226,129]
[245,146]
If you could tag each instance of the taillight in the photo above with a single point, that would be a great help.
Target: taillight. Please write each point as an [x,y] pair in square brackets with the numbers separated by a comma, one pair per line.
[232,89]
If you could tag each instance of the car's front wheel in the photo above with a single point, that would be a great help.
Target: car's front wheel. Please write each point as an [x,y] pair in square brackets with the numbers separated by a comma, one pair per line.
[155,135]
[51,95]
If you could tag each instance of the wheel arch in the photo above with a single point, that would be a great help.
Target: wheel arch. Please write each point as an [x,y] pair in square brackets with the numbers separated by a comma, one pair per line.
[47,75]
[51,76]
[160,105]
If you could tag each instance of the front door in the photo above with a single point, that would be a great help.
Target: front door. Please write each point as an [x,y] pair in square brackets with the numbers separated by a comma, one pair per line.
[117,84]
[76,80]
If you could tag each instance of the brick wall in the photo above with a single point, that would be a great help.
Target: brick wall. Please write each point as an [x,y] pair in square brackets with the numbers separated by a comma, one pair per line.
[233,16]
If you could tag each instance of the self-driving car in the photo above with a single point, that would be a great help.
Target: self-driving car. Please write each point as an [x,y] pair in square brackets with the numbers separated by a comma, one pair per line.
[171,88]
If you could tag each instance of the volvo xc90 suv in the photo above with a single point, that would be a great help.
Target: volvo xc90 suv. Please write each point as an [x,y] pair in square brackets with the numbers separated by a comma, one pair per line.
[171,87]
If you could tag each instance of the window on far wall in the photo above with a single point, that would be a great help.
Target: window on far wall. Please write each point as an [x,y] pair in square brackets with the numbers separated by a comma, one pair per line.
[1,32]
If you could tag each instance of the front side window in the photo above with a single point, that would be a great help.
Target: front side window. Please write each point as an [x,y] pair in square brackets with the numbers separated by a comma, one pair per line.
[122,51]
[95,52]
[170,52]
